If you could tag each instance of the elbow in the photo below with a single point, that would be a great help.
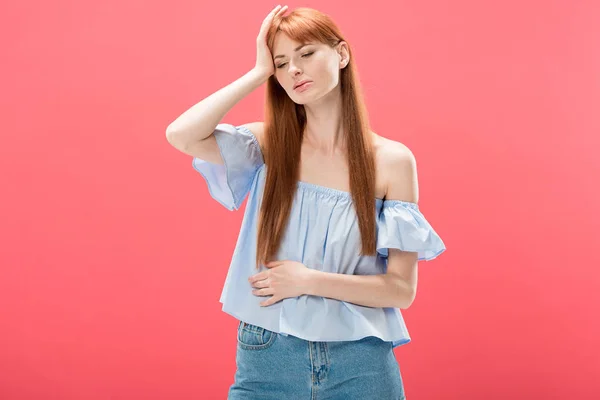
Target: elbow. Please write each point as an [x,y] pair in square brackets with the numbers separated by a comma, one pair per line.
[405,303]
[170,133]
[174,138]
[405,295]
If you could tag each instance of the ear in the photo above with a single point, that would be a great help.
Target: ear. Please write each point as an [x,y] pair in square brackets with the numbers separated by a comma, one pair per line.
[344,54]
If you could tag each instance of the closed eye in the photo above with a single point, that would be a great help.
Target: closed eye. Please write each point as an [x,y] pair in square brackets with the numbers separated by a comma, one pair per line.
[303,55]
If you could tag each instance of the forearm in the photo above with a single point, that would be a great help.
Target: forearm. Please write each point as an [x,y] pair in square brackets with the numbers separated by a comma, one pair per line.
[199,122]
[381,290]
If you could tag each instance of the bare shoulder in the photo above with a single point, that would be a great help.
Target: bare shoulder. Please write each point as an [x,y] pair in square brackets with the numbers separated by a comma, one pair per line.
[258,130]
[397,167]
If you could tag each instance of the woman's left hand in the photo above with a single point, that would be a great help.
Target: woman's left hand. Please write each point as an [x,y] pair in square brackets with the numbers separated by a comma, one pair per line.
[283,279]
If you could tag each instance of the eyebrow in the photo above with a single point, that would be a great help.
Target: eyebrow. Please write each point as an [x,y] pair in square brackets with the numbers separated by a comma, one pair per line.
[296,49]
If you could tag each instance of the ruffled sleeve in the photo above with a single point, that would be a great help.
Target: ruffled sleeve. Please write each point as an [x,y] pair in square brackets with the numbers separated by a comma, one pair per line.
[230,183]
[401,225]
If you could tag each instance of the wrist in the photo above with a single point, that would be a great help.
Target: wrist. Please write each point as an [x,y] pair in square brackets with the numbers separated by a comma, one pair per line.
[260,75]
[312,282]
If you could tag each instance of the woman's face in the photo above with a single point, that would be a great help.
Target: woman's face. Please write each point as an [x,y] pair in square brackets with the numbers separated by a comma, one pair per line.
[315,62]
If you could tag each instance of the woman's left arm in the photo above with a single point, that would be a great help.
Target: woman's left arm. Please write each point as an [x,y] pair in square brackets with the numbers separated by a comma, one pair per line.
[383,290]
[396,288]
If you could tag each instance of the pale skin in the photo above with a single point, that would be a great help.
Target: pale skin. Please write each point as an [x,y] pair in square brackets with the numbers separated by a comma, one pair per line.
[323,163]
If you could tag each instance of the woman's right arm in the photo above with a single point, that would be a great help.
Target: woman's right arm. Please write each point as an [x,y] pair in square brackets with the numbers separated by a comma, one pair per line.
[190,131]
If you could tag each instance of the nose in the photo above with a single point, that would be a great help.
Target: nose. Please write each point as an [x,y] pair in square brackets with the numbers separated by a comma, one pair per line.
[293,70]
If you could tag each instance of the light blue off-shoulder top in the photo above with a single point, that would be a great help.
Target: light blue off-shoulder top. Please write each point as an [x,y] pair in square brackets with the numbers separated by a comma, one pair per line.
[323,234]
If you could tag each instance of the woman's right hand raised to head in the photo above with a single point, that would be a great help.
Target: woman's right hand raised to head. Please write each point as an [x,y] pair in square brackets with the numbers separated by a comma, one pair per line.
[264,58]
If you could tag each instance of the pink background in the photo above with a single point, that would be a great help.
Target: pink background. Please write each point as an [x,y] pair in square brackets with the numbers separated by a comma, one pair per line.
[113,254]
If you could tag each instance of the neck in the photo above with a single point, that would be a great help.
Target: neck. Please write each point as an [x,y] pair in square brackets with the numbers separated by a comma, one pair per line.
[324,130]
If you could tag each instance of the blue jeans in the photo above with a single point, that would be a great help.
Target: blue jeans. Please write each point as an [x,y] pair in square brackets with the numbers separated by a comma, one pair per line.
[279,367]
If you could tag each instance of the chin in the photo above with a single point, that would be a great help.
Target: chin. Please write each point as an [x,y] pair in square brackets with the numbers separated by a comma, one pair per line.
[300,103]
[303,98]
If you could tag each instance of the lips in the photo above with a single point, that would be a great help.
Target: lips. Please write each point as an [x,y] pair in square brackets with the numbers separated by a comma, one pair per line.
[300,83]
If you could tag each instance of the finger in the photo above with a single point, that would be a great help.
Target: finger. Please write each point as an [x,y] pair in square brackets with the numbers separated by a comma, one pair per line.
[274,11]
[279,12]
[270,301]
[258,277]
[269,17]
[272,264]
[261,284]
[263,292]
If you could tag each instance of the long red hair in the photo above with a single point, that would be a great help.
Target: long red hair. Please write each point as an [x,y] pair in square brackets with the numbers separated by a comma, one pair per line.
[284,127]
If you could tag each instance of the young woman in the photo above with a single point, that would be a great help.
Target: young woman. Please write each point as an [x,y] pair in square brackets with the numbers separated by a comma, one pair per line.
[328,249]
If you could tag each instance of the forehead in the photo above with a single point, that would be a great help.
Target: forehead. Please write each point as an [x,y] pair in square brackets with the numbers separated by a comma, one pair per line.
[283,44]
[283,39]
